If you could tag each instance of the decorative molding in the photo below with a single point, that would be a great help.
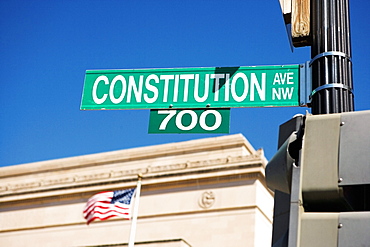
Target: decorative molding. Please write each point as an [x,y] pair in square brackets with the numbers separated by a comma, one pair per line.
[129,155]
[76,179]
[207,199]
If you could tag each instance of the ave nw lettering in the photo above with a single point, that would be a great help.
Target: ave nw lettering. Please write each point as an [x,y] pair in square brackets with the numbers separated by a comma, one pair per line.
[281,89]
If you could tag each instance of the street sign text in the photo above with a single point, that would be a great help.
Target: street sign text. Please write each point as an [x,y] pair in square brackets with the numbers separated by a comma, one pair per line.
[254,86]
[189,121]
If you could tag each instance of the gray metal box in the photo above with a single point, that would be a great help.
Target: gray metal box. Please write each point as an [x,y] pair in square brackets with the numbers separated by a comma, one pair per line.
[354,150]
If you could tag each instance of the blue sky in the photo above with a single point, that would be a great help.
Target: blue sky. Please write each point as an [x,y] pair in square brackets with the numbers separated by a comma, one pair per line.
[46,47]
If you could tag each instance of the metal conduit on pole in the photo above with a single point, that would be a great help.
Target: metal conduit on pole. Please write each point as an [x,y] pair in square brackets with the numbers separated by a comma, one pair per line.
[331,57]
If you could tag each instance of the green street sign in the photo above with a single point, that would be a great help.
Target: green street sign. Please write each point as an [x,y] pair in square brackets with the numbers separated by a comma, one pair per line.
[189,121]
[216,87]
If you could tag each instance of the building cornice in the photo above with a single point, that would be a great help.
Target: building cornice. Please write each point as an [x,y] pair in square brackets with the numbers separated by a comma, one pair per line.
[120,168]
[152,174]
[133,154]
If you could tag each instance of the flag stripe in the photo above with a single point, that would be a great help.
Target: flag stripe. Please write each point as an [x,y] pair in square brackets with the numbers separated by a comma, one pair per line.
[103,196]
[104,207]
[96,204]
[99,210]
[107,214]
[105,218]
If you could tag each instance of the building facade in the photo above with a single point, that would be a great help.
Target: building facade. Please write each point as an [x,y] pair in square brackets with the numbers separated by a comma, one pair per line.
[206,192]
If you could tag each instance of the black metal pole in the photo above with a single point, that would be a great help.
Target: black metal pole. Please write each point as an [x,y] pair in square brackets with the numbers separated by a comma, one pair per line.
[331,57]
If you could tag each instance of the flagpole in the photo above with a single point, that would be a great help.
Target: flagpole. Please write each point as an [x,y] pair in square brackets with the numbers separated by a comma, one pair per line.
[135,213]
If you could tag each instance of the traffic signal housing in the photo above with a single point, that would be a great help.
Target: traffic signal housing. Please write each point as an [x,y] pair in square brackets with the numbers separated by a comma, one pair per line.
[321,179]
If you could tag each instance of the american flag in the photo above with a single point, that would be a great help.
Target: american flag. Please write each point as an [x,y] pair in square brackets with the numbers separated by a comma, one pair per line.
[105,205]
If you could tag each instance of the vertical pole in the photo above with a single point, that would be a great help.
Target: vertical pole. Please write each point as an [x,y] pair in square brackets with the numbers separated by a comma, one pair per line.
[331,57]
[131,242]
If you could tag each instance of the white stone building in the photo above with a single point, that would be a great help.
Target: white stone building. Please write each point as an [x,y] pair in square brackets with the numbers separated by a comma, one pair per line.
[206,192]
